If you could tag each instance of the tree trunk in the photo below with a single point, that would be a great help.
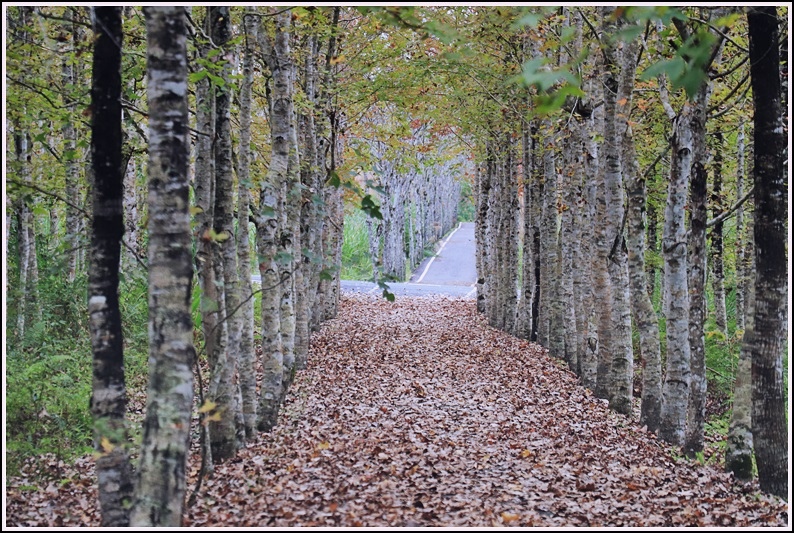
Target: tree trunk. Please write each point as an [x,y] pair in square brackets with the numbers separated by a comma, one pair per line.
[618,86]
[70,158]
[716,255]
[226,432]
[741,239]
[675,387]
[160,493]
[697,310]
[642,309]
[109,395]
[205,259]
[767,343]
[739,444]
[248,365]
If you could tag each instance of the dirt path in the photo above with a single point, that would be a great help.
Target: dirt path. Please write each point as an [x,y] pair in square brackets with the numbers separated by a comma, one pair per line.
[415,413]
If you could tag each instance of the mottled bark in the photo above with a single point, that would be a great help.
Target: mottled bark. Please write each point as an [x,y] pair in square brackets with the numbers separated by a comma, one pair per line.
[619,73]
[549,228]
[204,187]
[767,343]
[642,310]
[309,223]
[225,433]
[588,358]
[739,444]
[72,173]
[276,230]
[292,279]
[675,387]
[524,326]
[483,185]
[716,249]
[109,395]
[741,239]
[160,492]
[696,283]
[247,356]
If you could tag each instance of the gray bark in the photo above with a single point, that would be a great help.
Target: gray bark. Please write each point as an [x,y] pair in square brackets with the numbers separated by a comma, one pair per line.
[248,365]
[642,309]
[675,387]
[741,252]
[225,433]
[716,250]
[160,492]
[739,444]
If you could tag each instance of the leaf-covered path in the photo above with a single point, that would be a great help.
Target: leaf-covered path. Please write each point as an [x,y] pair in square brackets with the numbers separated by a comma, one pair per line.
[416,413]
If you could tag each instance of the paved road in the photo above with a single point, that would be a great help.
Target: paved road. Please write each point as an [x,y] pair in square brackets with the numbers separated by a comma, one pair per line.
[453,263]
[451,272]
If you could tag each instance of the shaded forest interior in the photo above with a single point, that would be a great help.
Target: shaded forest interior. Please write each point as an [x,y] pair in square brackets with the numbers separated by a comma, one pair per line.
[625,168]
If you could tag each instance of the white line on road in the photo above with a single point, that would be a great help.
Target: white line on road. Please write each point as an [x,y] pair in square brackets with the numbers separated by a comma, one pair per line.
[437,253]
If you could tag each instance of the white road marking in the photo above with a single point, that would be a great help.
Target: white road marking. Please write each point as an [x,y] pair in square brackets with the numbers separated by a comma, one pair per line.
[438,253]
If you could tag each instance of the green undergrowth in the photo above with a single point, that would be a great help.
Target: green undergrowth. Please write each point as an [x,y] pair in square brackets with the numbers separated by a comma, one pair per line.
[49,370]
[356,263]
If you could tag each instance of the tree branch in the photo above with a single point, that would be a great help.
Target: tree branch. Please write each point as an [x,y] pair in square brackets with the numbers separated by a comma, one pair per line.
[725,214]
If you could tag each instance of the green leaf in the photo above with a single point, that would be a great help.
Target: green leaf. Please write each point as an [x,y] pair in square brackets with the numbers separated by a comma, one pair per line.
[197,76]
[334,180]
[370,207]
[283,258]
[530,19]
[628,33]
[672,67]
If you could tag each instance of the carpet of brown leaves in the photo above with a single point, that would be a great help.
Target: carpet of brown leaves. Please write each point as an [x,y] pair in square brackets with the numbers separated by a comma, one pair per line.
[416,413]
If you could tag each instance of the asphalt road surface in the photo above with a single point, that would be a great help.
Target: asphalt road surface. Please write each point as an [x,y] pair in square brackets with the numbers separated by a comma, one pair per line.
[451,271]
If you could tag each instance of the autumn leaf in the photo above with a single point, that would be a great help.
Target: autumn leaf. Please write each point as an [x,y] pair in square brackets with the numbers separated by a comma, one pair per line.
[207,406]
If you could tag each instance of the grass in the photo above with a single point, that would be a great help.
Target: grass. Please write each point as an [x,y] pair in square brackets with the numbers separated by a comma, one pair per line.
[49,370]
[356,262]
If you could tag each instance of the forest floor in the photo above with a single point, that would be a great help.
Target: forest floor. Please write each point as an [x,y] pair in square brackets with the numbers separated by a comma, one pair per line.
[416,413]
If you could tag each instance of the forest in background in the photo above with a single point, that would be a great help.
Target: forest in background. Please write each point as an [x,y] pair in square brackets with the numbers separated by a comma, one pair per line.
[612,153]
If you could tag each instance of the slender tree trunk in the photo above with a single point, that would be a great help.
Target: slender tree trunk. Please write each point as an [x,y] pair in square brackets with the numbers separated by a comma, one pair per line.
[741,252]
[716,256]
[483,186]
[618,87]
[642,309]
[767,343]
[675,387]
[590,340]
[290,235]
[225,433]
[248,365]
[205,260]
[697,310]
[71,170]
[109,394]
[739,444]
[160,493]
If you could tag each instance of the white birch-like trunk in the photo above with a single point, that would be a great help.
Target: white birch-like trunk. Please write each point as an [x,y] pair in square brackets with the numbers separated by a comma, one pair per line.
[675,387]
[247,356]
[160,492]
